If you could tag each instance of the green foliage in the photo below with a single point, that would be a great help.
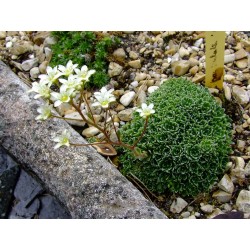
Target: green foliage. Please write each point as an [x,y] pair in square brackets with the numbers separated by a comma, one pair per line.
[84,48]
[187,140]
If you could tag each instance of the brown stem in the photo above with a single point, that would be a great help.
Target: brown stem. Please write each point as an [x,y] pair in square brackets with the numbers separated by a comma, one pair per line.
[88,144]
[143,132]
[64,118]
[89,109]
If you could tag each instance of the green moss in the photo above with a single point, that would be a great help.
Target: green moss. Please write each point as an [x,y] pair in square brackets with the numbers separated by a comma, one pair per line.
[84,48]
[187,140]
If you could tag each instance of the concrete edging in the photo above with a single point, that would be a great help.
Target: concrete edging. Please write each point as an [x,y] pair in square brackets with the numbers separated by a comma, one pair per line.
[88,185]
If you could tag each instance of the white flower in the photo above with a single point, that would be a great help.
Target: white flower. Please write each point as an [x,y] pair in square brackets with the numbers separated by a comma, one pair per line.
[51,76]
[145,110]
[41,88]
[104,98]
[44,111]
[84,73]
[63,96]
[62,140]
[68,70]
[72,82]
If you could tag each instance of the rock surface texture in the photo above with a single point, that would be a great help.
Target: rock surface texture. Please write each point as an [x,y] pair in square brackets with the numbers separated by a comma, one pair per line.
[79,177]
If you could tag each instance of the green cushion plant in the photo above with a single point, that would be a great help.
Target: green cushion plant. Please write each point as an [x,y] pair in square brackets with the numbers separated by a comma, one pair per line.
[187,140]
[84,48]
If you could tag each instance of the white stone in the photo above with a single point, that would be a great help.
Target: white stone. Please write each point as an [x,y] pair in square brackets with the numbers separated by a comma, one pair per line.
[226,184]
[228,78]
[30,63]
[198,42]
[229,58]
[243,201]
[178,205]
[77,116]
[9,44]
[227,91]
[49,41]
[91,131]
[151,89]
[34,72]
[114,69]
[207,209]
[185,214]
[127,98]
[134,84]
[240,95]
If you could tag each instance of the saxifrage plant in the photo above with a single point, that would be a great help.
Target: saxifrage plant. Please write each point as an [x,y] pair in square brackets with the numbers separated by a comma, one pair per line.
[187,141]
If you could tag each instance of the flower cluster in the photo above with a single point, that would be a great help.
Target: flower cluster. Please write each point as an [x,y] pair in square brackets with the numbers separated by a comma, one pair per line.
[65,84]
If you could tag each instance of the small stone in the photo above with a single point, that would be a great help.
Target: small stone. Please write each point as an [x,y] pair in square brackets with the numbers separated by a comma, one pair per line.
[141,98]
[216,212]
[207,209]
[227,207]
[126,115]
[193,62]
[191,217]
[239,162]
[227,92]
[247,169]
[127,98]
[48,53]
[229,58]
[151,89]
[240,95]
[40,36]
[198,42]
[28,64]
[197,214]
[178,205]
[183,52]
[199,77]
[119,107]
[119,54]
[241,144]
[194,70]
[134,84]
[43,66]
[229,78]
[140,76]
[3,35]
[21,47]
[226,184]
[180,68]
[34,72]
[49,41]
[222,196]
[77,116]
[114,69]
[90,132]
[133,55]
[240,54]
[243,201]
[242,63]
[185,214]
[136,64]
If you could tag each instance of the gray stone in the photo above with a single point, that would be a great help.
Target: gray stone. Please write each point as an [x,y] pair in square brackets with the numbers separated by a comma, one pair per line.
[247,169]
[207,209]
[243,201]
[21,47]
[126,115]
[240,95]
[22,210]
[222,196]
[52,209]
[8,180]
[178,205]
[229,58]
[28,64]
[226,184]
[49,41]
[127,98]
[75,115]
[34,72]
[27,188]
[114,69]
[87,184]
